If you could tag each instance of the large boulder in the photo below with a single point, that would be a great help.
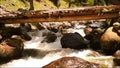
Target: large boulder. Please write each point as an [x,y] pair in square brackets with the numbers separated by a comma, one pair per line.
[11,48]
[71,62]
[110,40]
[8,32]
[73,41]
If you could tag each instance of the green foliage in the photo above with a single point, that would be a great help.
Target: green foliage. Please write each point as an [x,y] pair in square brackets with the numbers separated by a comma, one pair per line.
[50,4]
[14,4]
[88,3]
[108,21]
[63,4]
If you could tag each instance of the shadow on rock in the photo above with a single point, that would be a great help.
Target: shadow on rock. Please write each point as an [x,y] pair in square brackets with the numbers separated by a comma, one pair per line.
[35,53]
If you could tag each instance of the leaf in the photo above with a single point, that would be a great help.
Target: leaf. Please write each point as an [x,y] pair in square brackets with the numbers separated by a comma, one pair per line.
[108,21]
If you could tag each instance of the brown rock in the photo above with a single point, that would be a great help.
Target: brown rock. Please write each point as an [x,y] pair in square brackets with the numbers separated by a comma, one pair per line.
[0,37]
[117,54]
[94,38]
[7,32]
[87,30]
[117,58]
[110,40]
[71,62]
[49,38]
[11,49]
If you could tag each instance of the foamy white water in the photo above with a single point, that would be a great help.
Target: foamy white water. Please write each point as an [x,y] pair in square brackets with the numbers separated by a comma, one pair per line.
[41,54]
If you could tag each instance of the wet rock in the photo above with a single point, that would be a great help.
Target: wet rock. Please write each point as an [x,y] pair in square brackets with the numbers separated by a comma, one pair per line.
[93,35]
[39,26]
[71,62]
[18,37]
[7,32]
[0,36]
[117,58]
[53,29]
[110,40]
[88,30]
[50,37]
[11,48]
[91,53]
[117,54]
[26,27]
[2,24]
[73,41]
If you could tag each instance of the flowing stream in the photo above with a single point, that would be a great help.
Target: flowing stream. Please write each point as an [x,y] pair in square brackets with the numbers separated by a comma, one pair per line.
[37,54]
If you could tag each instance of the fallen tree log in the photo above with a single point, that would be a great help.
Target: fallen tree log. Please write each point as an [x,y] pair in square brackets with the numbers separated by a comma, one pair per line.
[70,14]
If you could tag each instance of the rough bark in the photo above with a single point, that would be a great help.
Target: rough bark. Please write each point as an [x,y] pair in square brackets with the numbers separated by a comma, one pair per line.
[31,5]
[71,14]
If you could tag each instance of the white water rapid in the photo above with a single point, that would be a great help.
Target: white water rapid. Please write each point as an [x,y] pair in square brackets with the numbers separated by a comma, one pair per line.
[38,54]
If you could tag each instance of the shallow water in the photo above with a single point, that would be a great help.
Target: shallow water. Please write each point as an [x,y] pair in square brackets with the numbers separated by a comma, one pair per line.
[37,54]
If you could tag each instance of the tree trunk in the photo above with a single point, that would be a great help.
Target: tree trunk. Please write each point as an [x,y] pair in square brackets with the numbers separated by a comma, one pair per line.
[72,14]
[31,5]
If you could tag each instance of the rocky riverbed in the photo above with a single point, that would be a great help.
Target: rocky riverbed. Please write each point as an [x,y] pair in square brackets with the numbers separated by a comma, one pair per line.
[38,54]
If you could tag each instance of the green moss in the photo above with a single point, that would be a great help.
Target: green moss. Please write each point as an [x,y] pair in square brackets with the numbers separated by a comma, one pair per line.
[50,4]
[63,4]
[14,4]
[88,3]
[42,5]
[36,5]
